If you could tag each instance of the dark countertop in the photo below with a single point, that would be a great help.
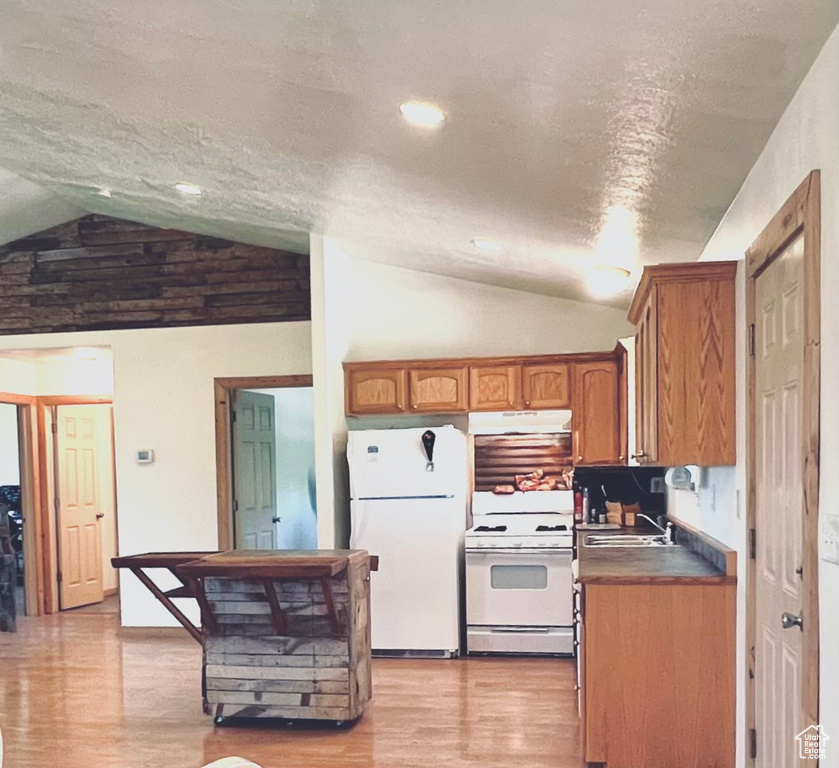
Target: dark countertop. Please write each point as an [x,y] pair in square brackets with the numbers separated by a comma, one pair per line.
[644,565]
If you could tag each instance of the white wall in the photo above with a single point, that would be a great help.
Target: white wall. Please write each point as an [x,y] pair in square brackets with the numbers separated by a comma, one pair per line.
[74,377]
[367,311]
[806,138]
[163,399]
[295,430]
[9,445]
[331,271]
[18,377]
[399,313]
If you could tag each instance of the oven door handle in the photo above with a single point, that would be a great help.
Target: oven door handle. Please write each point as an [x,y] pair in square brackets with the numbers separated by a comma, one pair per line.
[518,550]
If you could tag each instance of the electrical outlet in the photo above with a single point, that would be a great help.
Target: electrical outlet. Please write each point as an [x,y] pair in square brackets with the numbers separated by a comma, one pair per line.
[830,539]
[657,485]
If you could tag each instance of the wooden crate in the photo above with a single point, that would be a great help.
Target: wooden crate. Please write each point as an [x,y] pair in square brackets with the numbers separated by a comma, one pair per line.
[318,668]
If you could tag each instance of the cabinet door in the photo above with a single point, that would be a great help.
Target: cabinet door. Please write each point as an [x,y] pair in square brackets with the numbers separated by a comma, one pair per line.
[597,420]
[374,390]
[647,381]
[546,386]
[438,391]
[495,388]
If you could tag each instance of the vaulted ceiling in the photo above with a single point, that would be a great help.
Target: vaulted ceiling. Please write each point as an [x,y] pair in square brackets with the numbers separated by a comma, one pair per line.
[576,133]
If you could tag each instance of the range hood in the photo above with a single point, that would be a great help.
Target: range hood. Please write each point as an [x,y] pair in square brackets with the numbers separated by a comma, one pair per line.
[519,422]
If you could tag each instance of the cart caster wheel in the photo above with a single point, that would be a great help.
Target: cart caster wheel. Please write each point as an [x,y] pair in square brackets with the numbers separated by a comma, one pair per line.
[218,720]
[339,723]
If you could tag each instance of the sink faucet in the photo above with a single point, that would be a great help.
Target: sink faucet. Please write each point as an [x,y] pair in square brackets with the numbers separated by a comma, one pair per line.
[667,531]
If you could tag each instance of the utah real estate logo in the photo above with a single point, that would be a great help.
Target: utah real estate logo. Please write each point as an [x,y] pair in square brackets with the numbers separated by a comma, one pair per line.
[812,742]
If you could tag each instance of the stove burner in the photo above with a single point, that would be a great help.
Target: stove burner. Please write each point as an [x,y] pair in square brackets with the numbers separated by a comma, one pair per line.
[540,528]
[491,529]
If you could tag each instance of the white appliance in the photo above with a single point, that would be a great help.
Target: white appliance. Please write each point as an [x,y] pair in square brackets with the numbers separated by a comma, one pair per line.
[519,585]
[410,510]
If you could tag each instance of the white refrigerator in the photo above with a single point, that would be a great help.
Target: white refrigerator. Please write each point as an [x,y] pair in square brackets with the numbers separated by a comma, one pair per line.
[410,510]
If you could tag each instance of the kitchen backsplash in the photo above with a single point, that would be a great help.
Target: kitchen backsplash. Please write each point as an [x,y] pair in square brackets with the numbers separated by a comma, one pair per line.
[624,484]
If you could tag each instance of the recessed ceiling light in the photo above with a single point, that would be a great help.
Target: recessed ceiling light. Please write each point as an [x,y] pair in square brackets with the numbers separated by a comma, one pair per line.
[188,189]
[488,246]
[423,115]
[605,281]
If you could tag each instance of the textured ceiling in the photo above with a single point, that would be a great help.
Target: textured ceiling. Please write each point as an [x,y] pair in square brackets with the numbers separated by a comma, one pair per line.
[572,126]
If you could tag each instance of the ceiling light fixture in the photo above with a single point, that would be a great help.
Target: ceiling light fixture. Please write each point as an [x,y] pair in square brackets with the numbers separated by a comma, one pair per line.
[188,189]
[488,246]
[423,115]
[605,281]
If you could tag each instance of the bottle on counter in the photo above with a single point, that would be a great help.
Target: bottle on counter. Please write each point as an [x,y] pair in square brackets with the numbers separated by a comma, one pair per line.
[586,506]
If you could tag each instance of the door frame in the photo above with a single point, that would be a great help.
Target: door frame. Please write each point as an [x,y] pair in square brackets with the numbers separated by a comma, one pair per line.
[223,387]
[800,214]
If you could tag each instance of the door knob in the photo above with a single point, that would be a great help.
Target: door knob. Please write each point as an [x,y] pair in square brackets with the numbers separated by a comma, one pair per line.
[790,620]
[276,520]
[100,515]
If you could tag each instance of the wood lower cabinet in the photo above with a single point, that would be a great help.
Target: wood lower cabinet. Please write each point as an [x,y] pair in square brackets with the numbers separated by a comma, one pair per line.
[686,364]
[659,679]
[546,386]
[376,391]
[495,388]
[442,390]
[599,406]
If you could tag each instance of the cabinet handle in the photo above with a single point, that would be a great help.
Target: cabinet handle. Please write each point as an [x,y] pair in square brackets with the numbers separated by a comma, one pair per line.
[579,458]
[639,455]
[414,406]
[527,403]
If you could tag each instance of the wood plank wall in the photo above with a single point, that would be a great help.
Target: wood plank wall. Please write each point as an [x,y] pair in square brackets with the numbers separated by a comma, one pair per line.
[499,458]
[101,273]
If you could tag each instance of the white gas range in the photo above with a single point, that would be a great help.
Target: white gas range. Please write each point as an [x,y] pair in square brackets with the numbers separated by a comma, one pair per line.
[519,587]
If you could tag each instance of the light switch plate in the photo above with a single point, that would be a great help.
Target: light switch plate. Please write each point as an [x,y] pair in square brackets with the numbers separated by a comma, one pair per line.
[830,539]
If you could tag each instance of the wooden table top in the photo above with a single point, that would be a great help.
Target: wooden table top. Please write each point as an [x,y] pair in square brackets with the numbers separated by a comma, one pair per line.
[256,564]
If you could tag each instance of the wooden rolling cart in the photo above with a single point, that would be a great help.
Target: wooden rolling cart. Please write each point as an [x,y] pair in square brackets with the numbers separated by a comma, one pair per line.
[285,634]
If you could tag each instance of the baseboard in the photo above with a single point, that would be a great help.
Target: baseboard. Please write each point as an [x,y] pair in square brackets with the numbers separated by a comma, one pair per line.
[111,592]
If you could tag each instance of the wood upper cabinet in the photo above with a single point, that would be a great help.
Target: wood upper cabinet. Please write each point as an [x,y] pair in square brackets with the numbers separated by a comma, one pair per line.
[495,388]
[438,390]
[546,386]
[685,364]
[646,383]
[376,390]
[599,432]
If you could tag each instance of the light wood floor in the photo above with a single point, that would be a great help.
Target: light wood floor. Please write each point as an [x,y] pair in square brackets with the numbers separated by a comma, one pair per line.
[77,692]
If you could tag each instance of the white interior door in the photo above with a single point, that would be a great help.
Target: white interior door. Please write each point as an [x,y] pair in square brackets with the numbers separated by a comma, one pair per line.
[80,437]
[254,471]
[779,350]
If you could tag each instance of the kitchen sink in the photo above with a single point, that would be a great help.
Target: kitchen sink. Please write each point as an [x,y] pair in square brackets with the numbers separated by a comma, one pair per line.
[657,540]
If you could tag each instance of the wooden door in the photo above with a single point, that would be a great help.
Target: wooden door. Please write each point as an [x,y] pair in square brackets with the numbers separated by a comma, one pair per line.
[646,383]
[82,433]
[254,471]
[596,413]
[441,390]
[546,386]
[372,390]
[495,388]
[779,506]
